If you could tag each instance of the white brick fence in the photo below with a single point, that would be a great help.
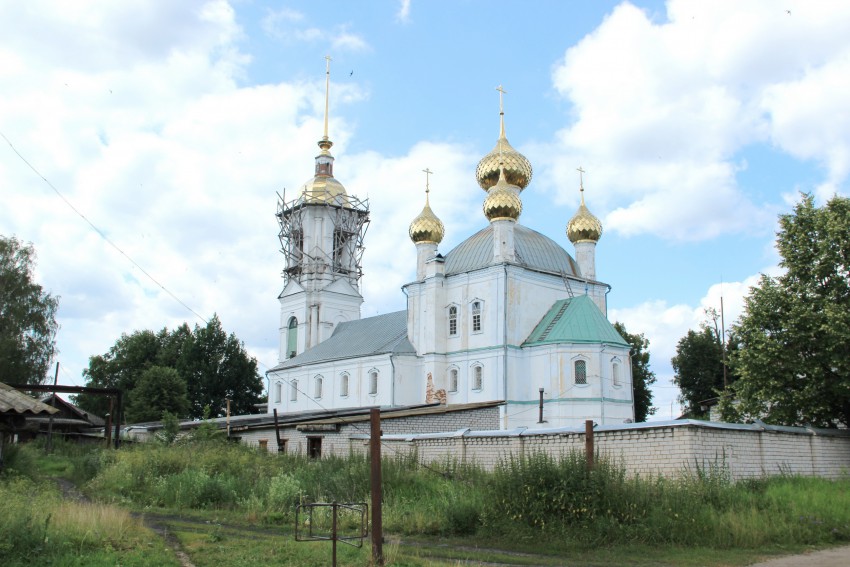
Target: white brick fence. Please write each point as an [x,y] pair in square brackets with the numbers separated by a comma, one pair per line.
[657,448]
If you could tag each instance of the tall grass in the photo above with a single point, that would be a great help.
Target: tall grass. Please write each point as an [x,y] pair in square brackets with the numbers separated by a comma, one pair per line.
[36,523]
[532,496]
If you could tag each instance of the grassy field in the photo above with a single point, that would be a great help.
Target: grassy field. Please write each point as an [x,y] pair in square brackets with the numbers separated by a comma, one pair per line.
[228,502]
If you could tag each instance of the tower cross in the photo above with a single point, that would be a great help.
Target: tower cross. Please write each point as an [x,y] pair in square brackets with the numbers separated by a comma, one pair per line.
[428,174]
[580,178]
[501,114]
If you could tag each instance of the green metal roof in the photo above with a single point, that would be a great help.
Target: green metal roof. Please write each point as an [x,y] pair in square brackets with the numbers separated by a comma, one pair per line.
[574,320]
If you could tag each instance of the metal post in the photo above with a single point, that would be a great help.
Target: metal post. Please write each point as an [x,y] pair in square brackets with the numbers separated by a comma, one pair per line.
[117,417]
[228,418]
[276,430]
[377,520]
[588,443]
[333,533]
[107,430]
[540,419]
[50,420]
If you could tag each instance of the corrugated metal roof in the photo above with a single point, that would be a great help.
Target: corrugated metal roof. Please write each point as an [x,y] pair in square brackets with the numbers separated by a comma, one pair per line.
[574,320]
[533,250]
[365,337]
[15,402]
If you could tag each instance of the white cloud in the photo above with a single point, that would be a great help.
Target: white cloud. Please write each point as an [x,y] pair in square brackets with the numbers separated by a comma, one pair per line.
[288,25]
[664,324]
[663,110]
[403,14]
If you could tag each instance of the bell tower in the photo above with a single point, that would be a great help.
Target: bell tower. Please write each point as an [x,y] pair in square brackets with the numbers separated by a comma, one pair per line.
[321,237]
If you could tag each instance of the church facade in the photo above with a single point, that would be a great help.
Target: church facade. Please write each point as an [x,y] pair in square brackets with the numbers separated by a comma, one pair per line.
[508,315]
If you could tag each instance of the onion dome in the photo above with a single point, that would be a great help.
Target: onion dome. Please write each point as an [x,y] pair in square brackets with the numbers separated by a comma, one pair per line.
[503,202]
[427,227]
[517,167]
[584,227]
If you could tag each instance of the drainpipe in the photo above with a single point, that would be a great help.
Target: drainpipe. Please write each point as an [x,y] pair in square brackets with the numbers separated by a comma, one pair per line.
[505,347]
[392,381]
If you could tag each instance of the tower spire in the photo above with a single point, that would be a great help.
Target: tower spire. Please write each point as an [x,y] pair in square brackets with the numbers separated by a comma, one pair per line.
[325,143]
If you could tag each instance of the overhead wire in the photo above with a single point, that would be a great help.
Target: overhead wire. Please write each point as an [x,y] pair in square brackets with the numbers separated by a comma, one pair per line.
[100,232]
[174,296]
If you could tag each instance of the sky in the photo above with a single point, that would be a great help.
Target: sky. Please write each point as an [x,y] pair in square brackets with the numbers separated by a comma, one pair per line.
[145,145]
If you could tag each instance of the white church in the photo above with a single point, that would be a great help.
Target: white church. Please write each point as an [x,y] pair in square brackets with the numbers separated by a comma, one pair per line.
[506,316]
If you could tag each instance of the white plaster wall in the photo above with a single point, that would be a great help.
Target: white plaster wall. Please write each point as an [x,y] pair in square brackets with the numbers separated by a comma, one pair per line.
[358,385]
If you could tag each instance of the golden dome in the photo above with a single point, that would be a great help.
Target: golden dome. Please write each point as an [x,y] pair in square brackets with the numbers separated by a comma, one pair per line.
[584,227]
[517,167]
[427,227]
[324,189]
[503,202]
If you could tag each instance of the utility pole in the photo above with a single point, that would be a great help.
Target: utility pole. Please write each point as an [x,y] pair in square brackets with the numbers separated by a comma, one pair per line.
[49,447]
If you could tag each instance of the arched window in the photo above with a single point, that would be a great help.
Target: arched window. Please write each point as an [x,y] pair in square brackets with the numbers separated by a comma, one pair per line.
[477,377]
[343,385]
[292,337]
[373,382]
[580,372]
[476,316]
[453,380]
[317,387]
[615,373]
[277,392]
[453,320]
[293,391]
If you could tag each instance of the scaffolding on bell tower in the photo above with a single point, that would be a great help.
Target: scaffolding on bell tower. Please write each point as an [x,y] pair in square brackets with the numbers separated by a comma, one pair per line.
[341,256]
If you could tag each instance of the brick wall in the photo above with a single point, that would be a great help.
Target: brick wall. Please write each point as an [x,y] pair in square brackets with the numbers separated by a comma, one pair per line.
[669,449]
[353,436]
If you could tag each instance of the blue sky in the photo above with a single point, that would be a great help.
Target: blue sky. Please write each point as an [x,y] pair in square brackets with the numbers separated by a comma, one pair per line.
[173,126]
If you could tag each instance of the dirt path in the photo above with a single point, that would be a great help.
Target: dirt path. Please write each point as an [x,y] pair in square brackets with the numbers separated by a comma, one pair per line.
[838,557]
[70,491]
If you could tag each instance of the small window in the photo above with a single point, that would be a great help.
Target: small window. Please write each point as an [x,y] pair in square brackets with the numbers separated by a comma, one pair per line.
[453,380]
[277,392]
[373,382]
[281,446]
[317,384]
[343,385]
[477,377]
[615,373]
[293,391]
[453,320]
[580,372]
[476,316]
[292,337]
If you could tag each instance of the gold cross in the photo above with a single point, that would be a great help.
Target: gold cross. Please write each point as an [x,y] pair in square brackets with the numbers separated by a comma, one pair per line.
[580,178]
[428,173]
[501,92]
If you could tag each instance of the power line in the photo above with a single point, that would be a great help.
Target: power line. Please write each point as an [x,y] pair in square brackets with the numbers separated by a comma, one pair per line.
[100,232]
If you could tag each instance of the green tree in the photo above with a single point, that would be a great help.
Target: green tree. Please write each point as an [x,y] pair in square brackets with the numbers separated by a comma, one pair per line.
[121,367]
[158,390]
[794,359]
[214,367]
[27,316]
[701,373]
[642,376]
[217,369]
